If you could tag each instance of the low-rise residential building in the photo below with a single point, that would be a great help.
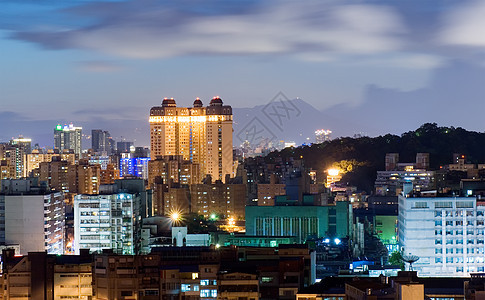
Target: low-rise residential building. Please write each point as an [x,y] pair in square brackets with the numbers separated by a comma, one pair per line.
[41,275]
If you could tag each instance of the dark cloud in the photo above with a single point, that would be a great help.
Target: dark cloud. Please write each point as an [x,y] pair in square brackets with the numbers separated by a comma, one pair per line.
[150,29]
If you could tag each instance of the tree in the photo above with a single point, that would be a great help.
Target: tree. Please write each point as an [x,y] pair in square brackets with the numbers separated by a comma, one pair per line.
[397,260]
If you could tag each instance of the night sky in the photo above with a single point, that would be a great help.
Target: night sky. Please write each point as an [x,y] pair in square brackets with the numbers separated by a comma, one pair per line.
[372,63]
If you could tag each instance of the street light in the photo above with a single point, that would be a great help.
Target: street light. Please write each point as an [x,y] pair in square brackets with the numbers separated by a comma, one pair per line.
[175,216]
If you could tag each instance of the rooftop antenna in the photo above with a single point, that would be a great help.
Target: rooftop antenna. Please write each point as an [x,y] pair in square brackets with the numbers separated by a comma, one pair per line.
[410,259]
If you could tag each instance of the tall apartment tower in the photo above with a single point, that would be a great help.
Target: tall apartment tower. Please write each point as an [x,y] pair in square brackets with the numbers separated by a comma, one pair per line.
[68,137]
[101,141]
[200,134]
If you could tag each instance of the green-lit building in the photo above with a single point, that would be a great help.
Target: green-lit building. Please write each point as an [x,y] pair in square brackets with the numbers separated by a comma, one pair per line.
[386,230]
[299,221]
[242,240]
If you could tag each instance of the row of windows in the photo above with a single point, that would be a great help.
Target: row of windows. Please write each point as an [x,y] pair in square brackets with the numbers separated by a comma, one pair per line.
[459,260]
[459,232]
[459,250]
[459,223]
[458,213]
[459,241]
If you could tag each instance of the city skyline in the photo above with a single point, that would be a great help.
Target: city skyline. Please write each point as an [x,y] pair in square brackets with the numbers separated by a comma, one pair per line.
[336,56]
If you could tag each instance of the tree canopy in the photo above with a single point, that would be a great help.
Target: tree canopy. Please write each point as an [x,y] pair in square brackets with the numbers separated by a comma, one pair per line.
[366,155]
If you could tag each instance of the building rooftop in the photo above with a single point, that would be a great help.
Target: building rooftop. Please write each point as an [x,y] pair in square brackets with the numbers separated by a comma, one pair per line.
[197,102]
[168,102]
[216,101]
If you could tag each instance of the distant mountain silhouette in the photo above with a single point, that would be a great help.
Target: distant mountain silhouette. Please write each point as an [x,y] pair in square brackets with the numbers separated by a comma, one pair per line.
[455,96]
[288,120]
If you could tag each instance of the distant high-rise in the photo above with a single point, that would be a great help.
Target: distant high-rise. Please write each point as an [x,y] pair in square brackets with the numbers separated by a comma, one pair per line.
[68,137]
[101,141]
[124,147]
[24,143]
[200,134]
[322,135]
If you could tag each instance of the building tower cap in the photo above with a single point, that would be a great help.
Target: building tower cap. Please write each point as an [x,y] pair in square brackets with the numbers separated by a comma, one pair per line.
[216,101]
[168,102]
[197,102]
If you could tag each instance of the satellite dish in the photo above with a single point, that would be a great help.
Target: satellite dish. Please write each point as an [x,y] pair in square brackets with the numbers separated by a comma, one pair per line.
[410,259]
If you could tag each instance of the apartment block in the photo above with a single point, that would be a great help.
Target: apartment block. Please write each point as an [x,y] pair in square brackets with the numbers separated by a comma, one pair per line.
[447,234]
[104,222]
[32,217]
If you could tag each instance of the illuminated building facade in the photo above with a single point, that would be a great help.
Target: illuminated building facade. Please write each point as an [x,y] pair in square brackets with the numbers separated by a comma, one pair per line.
[109,175]
[55,174]
[13,156]
[47,276]
[84,178]
[104,222]
[226,200]
[397,175]
[136,166]
[34,159]
[173,169]
[446,233]
[68,137]
[200,134]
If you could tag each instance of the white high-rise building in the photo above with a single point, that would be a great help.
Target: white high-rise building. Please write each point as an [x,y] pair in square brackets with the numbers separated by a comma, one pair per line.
[447,234]
[31,217]
[104,222]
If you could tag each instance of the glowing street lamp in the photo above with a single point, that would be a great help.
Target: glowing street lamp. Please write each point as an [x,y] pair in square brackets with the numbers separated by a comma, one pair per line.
[175,216]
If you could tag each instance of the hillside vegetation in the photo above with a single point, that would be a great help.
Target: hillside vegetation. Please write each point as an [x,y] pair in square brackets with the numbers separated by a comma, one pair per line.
[367,155]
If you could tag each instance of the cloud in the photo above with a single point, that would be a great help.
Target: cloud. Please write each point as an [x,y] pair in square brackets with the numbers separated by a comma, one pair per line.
[465,25]
[149,29]
[100,66]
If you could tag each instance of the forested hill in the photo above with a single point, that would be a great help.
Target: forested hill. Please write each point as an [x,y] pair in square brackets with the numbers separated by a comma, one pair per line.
[364,156]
